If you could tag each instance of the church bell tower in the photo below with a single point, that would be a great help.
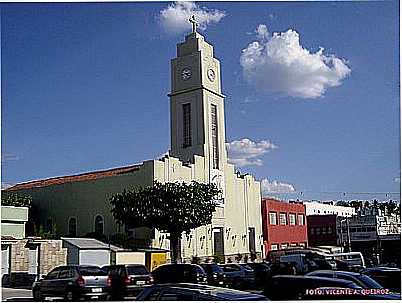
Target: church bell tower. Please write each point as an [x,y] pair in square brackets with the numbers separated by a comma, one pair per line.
[197,105]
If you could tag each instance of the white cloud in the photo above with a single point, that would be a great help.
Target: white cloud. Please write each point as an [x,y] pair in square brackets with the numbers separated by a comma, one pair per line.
[245,152]
[397,179]
[174,18]
[278,64]
[276,187]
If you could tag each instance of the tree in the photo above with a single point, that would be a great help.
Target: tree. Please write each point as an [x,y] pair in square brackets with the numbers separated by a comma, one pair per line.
[14,199]
[173,208]
[342,203]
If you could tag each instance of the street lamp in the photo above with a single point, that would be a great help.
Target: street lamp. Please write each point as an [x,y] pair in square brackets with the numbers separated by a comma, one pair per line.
[348,233]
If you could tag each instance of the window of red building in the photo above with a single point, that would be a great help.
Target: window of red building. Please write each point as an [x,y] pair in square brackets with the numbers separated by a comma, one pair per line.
[300,218]
[272,218]
[292,219]
[282,218]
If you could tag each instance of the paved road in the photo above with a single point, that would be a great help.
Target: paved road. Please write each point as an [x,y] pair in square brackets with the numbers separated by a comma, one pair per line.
[15,293]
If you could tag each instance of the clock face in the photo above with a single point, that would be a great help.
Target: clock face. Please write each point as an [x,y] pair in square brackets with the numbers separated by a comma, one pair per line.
[186,74]
[211,74]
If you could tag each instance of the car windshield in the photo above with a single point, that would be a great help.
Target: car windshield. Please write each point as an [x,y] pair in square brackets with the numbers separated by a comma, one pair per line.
[212,267]
[246,267]
[369,282]
[137,270]
[92,271]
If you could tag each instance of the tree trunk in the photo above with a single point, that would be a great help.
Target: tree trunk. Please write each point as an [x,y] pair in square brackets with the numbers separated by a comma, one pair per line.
[175,240]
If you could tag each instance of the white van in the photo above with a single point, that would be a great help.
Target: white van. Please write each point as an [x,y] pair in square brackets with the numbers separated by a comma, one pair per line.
[354,259]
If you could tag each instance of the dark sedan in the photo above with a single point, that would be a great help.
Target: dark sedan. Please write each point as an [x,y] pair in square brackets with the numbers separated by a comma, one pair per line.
[358,278]
[388,277]
[290,287]
[238,275]
[179,273]
[215,274]
[195,292]
[127,280]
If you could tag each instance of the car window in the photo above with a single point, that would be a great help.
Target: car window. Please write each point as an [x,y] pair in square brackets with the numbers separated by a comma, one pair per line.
[137,270]
[247,267]
[369,282]
[65,273]
[171,295]
[53,274]
[92,271]
[200,270]
[229,268]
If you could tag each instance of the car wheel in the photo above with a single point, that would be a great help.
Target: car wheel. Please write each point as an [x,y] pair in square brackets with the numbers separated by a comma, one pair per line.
[37,296]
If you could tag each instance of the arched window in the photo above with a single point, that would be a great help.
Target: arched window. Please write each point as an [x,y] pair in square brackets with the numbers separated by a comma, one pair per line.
[99,224]
[72,227]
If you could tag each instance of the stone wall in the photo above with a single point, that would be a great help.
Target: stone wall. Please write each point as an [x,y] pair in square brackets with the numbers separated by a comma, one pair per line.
[51,254]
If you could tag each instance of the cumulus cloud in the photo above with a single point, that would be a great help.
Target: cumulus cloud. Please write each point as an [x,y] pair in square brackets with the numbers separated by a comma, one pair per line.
[245,152]
[276,187]
[174,18]
[279,64]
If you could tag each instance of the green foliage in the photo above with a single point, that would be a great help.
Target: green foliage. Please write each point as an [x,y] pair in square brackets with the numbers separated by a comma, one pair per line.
[41,233]
[169,207]
[218,259]
[342,203]
[14,199]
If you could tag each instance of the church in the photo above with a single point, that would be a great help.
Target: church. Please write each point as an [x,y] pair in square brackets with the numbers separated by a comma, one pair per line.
[78,204]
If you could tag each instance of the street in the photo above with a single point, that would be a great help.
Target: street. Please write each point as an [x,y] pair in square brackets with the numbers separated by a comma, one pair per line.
[7,293]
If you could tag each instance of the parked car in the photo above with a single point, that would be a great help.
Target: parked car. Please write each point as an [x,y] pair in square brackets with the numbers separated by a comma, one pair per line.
[195,292]
[215,274]
[338,293]
[128,280]
[73,283]
[179,273]
[290,287]
[388,277]
[262,272]
[238,275]
[358,278]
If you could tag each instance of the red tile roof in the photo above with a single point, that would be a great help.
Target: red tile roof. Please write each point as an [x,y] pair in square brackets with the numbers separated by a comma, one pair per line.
[75,178]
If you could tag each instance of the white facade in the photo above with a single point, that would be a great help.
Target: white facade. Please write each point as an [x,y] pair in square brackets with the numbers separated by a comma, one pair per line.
[198,153]
[317,208]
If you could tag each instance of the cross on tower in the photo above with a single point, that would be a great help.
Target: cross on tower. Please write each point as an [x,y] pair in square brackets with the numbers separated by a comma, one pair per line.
[193,23]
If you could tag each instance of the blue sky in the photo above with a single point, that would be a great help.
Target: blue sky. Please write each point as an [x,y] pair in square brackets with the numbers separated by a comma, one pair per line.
[84,88]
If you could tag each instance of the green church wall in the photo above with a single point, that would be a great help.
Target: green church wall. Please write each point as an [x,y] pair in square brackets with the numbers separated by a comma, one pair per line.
[84,200]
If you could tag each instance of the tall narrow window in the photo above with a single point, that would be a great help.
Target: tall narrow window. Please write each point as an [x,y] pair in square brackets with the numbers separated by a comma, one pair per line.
[214,131]
[72,227]
[186,125]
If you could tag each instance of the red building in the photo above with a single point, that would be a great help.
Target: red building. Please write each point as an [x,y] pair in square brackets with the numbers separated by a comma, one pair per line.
[283,224]
[322,230]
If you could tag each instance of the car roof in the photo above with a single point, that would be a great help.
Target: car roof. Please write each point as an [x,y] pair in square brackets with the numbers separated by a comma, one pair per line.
[311,278]
[382,268]
[224,293]
[335,272]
